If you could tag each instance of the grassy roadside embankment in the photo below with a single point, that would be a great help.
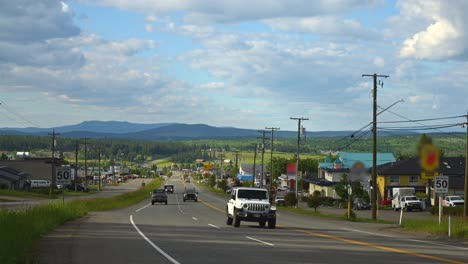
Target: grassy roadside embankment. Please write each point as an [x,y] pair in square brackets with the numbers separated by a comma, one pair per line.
[21,230]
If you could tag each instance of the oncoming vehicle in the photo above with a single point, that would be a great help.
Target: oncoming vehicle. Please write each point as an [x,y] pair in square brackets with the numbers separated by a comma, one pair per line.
[191,194]
[250,205]
[169,188]
[279,200]
[158,196]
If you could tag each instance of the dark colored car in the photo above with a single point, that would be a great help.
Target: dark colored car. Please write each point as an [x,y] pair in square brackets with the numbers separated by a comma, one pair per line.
[190,194]
[79,187]
[361,204]
[158,196]
[169,188]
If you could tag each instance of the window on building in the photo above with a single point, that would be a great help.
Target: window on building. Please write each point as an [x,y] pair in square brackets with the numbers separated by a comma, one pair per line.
[395,179]
[414,179]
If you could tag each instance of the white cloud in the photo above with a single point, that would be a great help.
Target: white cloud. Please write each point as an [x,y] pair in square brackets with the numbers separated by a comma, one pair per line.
[33,21]
[379,62]
[204,11]
[149,28]
[323,25]
[212,85]
[443,36]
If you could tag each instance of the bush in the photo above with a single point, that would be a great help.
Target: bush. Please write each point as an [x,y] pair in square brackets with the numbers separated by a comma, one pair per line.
[328,201]
[453,211]
[290,199]
[314,202]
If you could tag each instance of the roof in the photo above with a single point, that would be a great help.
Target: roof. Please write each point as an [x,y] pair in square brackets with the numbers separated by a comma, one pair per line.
[454,167]
[320,182]
[349,159]
[248,168]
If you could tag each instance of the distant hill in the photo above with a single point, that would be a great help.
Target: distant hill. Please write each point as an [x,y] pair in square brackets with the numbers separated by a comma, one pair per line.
[113,127]
[163,131]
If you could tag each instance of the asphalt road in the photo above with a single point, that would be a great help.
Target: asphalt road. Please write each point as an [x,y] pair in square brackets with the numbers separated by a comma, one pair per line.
[195,232]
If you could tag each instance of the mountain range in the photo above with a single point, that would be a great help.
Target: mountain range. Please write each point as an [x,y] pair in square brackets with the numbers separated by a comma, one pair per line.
[158,131]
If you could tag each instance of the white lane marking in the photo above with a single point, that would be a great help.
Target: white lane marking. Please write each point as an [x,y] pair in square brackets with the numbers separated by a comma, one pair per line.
[214,226]
[413,240]
[194,218]
[258,240]
[152,244]
[178,204]
[138,210]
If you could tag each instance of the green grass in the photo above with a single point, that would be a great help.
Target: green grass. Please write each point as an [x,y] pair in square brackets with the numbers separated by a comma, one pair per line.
[459,228]
[20,231]
[320,214]
[24,194]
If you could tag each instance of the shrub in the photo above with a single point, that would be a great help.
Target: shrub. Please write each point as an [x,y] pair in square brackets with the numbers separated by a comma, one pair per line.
[314,202]
[453,211]
[290,199]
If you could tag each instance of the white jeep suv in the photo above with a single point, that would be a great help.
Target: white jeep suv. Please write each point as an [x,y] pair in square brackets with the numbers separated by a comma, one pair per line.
[250,205]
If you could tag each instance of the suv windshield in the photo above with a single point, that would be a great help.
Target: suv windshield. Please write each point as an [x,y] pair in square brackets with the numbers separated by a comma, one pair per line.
[158,191]
[252,194]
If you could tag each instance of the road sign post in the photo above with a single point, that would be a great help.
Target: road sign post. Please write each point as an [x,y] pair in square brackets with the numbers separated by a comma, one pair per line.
[441,184]
[63,175]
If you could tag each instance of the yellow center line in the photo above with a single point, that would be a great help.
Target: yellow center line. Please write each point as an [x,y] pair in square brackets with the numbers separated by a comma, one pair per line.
[355,242]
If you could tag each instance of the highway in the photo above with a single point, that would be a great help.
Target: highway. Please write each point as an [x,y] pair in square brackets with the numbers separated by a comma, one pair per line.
[196,232]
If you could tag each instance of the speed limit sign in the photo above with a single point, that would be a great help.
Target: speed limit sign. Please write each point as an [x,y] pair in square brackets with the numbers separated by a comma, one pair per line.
[62,175]
[441,184]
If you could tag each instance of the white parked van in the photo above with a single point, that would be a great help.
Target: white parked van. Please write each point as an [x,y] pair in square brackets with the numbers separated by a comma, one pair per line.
[38,184]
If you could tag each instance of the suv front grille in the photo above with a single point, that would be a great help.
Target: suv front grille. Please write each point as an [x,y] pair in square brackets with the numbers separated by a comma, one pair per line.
[256,207]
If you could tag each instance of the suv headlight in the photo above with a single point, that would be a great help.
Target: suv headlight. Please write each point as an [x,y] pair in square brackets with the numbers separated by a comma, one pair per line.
[267,207]
[245,206]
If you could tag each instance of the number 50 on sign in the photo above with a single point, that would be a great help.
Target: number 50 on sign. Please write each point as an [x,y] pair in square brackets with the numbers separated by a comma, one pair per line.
[441,184]
[62,175]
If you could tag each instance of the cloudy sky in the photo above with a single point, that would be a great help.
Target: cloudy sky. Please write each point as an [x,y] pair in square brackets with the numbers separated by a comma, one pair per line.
[240,63]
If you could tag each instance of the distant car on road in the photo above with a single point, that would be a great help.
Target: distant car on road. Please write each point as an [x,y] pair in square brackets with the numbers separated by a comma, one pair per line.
[169,188]
[453,200]
[158,196]
[279,200]
[79,187]
[191,194]
[361,204]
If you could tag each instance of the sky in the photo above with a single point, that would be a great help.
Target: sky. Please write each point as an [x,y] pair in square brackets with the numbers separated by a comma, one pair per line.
[233,63]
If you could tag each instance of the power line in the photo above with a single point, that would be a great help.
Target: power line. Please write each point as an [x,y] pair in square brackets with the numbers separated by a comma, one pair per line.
[434,127]
[419,120]
[2,104]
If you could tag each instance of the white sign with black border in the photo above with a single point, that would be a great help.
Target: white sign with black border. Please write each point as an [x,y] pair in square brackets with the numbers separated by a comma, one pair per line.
[441,184]
[63,175]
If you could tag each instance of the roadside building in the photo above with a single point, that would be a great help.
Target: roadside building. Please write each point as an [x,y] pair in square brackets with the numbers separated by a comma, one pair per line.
[37,168]
[355,166]
[13,179]
[407,173]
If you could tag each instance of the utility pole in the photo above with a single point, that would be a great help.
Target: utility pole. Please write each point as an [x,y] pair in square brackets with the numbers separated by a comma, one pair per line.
[374,144]
[465,209]
[76,163]
[263,154]
[86,159]
[237,155]
[52,180]
[299,120]
[99,167]
[255,162]
[273,129]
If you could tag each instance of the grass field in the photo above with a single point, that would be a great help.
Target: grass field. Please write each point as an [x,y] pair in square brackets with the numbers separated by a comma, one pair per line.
[21,230]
